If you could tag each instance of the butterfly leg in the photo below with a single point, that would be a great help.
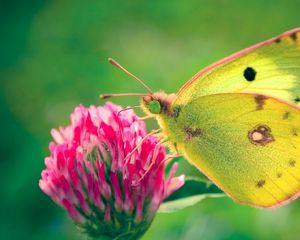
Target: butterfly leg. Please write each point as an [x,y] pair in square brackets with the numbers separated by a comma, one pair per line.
[146,117]
[140,143]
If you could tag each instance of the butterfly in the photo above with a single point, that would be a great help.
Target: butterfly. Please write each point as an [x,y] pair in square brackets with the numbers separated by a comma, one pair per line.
[238,121]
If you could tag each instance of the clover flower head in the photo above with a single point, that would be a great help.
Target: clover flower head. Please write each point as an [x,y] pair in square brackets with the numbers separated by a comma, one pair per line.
[107,172]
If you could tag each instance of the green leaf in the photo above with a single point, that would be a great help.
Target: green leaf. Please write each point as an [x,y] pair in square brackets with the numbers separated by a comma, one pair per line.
[193,191]
[172,206]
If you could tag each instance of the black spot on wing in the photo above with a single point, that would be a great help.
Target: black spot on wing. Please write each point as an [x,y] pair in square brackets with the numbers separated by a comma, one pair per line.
[297,100]
[176,111]
[249,74]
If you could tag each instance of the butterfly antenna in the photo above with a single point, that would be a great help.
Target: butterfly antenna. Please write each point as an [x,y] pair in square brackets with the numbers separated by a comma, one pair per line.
[118,65]
[109,95]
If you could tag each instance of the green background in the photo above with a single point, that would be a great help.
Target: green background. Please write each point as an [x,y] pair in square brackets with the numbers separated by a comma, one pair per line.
[53,56]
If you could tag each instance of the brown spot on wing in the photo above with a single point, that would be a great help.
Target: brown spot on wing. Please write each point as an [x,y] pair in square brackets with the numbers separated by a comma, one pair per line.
[279,175]
[294,36]
[260,101]
[278,40]
[190,132]
[286,115]
[295,132]
[260,183]
[292,163]
[260,135]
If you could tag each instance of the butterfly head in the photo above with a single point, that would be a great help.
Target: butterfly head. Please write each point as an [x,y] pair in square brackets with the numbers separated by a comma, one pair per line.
[157,103]
[153,102]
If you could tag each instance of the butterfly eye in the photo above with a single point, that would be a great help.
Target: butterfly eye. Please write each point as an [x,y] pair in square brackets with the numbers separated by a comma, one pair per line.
[154,106]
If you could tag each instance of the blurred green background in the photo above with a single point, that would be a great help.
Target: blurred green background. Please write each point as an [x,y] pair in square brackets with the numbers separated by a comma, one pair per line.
[53,56]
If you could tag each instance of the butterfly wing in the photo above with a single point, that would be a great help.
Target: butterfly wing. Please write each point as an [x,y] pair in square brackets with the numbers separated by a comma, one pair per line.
[252,154]
[271,68]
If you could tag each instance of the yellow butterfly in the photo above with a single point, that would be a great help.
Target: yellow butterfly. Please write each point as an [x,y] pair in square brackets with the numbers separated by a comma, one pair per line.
[238,121]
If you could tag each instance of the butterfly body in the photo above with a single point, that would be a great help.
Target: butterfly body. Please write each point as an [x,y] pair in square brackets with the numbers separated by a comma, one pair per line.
[238,121]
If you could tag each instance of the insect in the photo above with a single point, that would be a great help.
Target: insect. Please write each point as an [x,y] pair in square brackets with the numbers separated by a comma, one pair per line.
[238,121]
